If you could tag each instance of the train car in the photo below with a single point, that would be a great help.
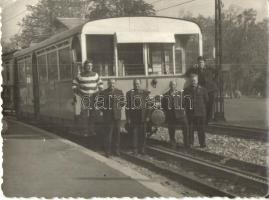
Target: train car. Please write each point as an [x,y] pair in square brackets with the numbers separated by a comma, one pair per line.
[8,83]
[153,49]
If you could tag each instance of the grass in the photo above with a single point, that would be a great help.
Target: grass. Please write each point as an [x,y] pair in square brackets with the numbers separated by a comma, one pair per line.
[247,112]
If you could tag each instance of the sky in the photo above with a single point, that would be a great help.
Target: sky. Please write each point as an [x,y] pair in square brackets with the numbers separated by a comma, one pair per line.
[14,10]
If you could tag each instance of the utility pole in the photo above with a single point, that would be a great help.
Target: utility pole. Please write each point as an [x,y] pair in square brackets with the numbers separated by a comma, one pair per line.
[219,104]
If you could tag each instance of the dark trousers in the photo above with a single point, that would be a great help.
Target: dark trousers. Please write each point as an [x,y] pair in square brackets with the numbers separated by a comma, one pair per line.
[112,136]
[183,122]
[139,136]
[87,120]
[199,123]
[210,106]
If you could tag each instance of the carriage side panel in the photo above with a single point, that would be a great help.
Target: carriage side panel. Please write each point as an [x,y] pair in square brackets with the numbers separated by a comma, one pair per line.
[25,86]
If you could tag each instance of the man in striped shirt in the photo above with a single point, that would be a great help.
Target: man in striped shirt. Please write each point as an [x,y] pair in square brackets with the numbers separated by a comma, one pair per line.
[84,86]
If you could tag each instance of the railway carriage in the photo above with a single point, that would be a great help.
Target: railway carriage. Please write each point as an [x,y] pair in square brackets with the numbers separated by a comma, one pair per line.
[153,49]
[8,83]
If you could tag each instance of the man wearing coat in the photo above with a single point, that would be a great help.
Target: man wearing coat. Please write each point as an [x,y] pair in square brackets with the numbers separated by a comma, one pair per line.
[137,115]
[112,116]
[206,79]
[175,114]
[196,98]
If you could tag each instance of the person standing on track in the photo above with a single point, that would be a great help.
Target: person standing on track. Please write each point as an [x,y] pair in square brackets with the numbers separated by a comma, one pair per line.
[84,86]
[137,115]
[196,109]
[175,114]
[112,116]
[206,78]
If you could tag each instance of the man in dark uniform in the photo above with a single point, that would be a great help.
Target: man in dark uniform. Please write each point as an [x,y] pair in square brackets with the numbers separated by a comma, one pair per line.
[206,79]
[175,114]
[195,101]
[137,115]
[112,116]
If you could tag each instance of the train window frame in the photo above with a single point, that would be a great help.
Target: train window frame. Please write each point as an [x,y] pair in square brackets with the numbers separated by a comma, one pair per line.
[29,71]
[70,60]
[183,42]
[144,61]
[112,66]
[7,69]
[53,52]
[163,48]
[46,66]
[21,62]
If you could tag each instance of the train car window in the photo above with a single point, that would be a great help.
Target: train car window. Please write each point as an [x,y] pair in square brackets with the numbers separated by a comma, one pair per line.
[52,66]
[42,68]
[28,68]
[131,59]
[192,50]
[21,71]
[100,48]
[6,67]
[65,64]
[160,59]
[178,60]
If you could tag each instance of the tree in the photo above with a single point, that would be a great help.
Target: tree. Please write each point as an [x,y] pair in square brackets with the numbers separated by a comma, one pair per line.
[39,24]
[244,46]
[118,8]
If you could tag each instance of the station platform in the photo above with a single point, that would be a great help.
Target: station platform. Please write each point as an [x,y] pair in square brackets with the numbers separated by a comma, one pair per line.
[37,163]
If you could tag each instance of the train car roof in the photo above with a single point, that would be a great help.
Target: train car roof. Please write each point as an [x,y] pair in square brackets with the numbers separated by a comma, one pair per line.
[142,29]
[134,26]
[140,24]
[8,55]
[56,38]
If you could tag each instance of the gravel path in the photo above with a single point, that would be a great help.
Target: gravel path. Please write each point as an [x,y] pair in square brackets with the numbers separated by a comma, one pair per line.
[247,150]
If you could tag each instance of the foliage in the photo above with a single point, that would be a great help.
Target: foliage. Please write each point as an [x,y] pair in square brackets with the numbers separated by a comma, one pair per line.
[39,24]
[244,47]
[118,8]
[9,46]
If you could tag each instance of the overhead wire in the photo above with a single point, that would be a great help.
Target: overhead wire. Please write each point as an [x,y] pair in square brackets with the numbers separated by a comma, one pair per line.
[155,1]
[186,2]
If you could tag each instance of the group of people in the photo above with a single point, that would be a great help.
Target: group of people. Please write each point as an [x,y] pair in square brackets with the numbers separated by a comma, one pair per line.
[197,97]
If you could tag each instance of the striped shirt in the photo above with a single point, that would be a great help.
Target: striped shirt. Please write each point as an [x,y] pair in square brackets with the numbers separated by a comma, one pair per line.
[87,84]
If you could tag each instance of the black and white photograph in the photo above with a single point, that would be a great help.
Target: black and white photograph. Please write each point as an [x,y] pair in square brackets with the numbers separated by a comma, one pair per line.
[134,98]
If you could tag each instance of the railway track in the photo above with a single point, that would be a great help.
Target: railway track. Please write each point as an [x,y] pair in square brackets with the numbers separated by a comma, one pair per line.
[178,176]
[206,177]
[244,167]
[239,131]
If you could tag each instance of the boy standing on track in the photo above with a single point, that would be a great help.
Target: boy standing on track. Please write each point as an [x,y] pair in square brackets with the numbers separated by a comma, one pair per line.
[84,86]
[196,109]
